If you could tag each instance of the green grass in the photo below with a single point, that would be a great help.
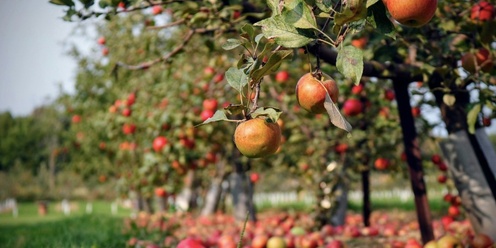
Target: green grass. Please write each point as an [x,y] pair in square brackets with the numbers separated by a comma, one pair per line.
[28,229]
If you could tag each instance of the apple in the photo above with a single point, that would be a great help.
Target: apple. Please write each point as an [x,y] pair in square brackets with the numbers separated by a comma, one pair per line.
[76,118]
[335,244]
[442,166]
[389,95]
[254,177]
[210,104]
[218,77]
[236,14]
[327,230]
[276,242]
[101,41]
[282,76]
[486,121]
[105,51]
[206,113]
[121,5]
[341,148]
[442,178]
[431,244]
[416,112]
[481,240]
[131,99]
[157,9]
[190,243]
[360,43]
[456,201]
[160,192]
[482,11]
[481,57]
[209,71]
[352,107]
[159,143]
[126,112]
[357,89]
[453,211]
[412,243]
[411,13]
[381,164]
[260,241]
[447,197]
[128,128]
[436,159]
[448,241]
[403,156]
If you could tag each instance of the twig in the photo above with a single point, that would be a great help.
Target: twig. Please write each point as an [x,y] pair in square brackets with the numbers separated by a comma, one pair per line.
[168,25]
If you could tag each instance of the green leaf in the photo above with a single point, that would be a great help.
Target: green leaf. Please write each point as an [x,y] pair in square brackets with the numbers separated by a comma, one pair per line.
[272,113]
[371,2]
[272,64]
[354,10]
[87,3]
[378,19]
[218,116]
[350,63]
[274,7]
[234,109]
[324,5]
[472,117]
[69,3]
[249,30]
[258,38]
[335,116]
[284,33]
[298,14]
[231,44]
[236,78]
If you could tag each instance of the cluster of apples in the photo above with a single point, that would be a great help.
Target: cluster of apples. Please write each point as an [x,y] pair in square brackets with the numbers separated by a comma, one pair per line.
[102,41]
[298,230]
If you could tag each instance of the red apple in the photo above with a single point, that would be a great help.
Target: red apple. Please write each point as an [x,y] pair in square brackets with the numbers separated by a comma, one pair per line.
[389,95]
[159,143]
[206,113]
[105,51]
[282,76]
[260,241]
[442,166]
[76,118]
[160,192]
[157,9]
[381,164]
[482,11]
[486,121]
[416,112]
[254,177]
[236,14]
[447,197]
[411,13]
[128,128]
[436,159]
[210,104]
[101,41]
[126,112]
[335,244]
[218,77]
[352,107]
[209,71]
[360,43]
[482,57]
[481,240]
[190,243]
[341,148]
[442,178]
[131,99]
[357,89]
[453,211]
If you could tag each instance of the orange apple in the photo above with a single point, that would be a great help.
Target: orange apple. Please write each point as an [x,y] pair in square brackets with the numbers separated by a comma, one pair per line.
[411,13]
[482,11]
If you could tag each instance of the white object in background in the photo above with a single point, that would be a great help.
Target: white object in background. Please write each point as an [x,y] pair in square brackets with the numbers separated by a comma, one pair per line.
[66,207]
[89,208]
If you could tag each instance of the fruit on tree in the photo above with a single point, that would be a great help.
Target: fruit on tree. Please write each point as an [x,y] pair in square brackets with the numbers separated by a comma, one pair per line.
[482,11]
[381,164]
[131,99]
[282,76]
[453,211]
[360,43]
[160,192]
[126,112]
[190,243]
[341,148]
[486,121]
[76,118]
[157,9]
[442,178]
[436,159]
[254,177]
[481,58]
[481,240]
[209,71]
[206,113]
[257,137]
[159,143]
[105,51]
[218,77]
[311,92]
[101,41]
[416,111]
[352,107]
[210,104]
[389,95]
[276,242]
[128,128]
[411,13]
[357,89]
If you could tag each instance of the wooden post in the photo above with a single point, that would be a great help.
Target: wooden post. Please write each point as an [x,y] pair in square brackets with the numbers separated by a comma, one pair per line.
[413,156]
[366,209]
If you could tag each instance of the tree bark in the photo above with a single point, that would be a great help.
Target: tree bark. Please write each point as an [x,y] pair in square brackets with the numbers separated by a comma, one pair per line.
[242,194]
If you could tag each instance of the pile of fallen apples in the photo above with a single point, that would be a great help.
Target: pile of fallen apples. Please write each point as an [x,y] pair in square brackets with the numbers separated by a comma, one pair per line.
[286,230]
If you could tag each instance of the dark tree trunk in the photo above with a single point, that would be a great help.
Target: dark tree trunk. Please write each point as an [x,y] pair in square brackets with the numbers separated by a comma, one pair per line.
[366,209]
[242,194]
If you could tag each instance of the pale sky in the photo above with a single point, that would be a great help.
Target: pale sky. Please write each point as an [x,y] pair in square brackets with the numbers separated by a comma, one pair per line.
[32,60]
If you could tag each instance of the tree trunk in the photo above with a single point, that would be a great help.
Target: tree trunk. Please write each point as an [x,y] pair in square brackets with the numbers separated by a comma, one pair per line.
[477,199]
[242,194]
[338,216]
[213,196]
[186,200]
[366,209]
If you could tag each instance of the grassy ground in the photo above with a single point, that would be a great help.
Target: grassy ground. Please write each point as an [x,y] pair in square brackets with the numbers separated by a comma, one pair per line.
[28,229]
